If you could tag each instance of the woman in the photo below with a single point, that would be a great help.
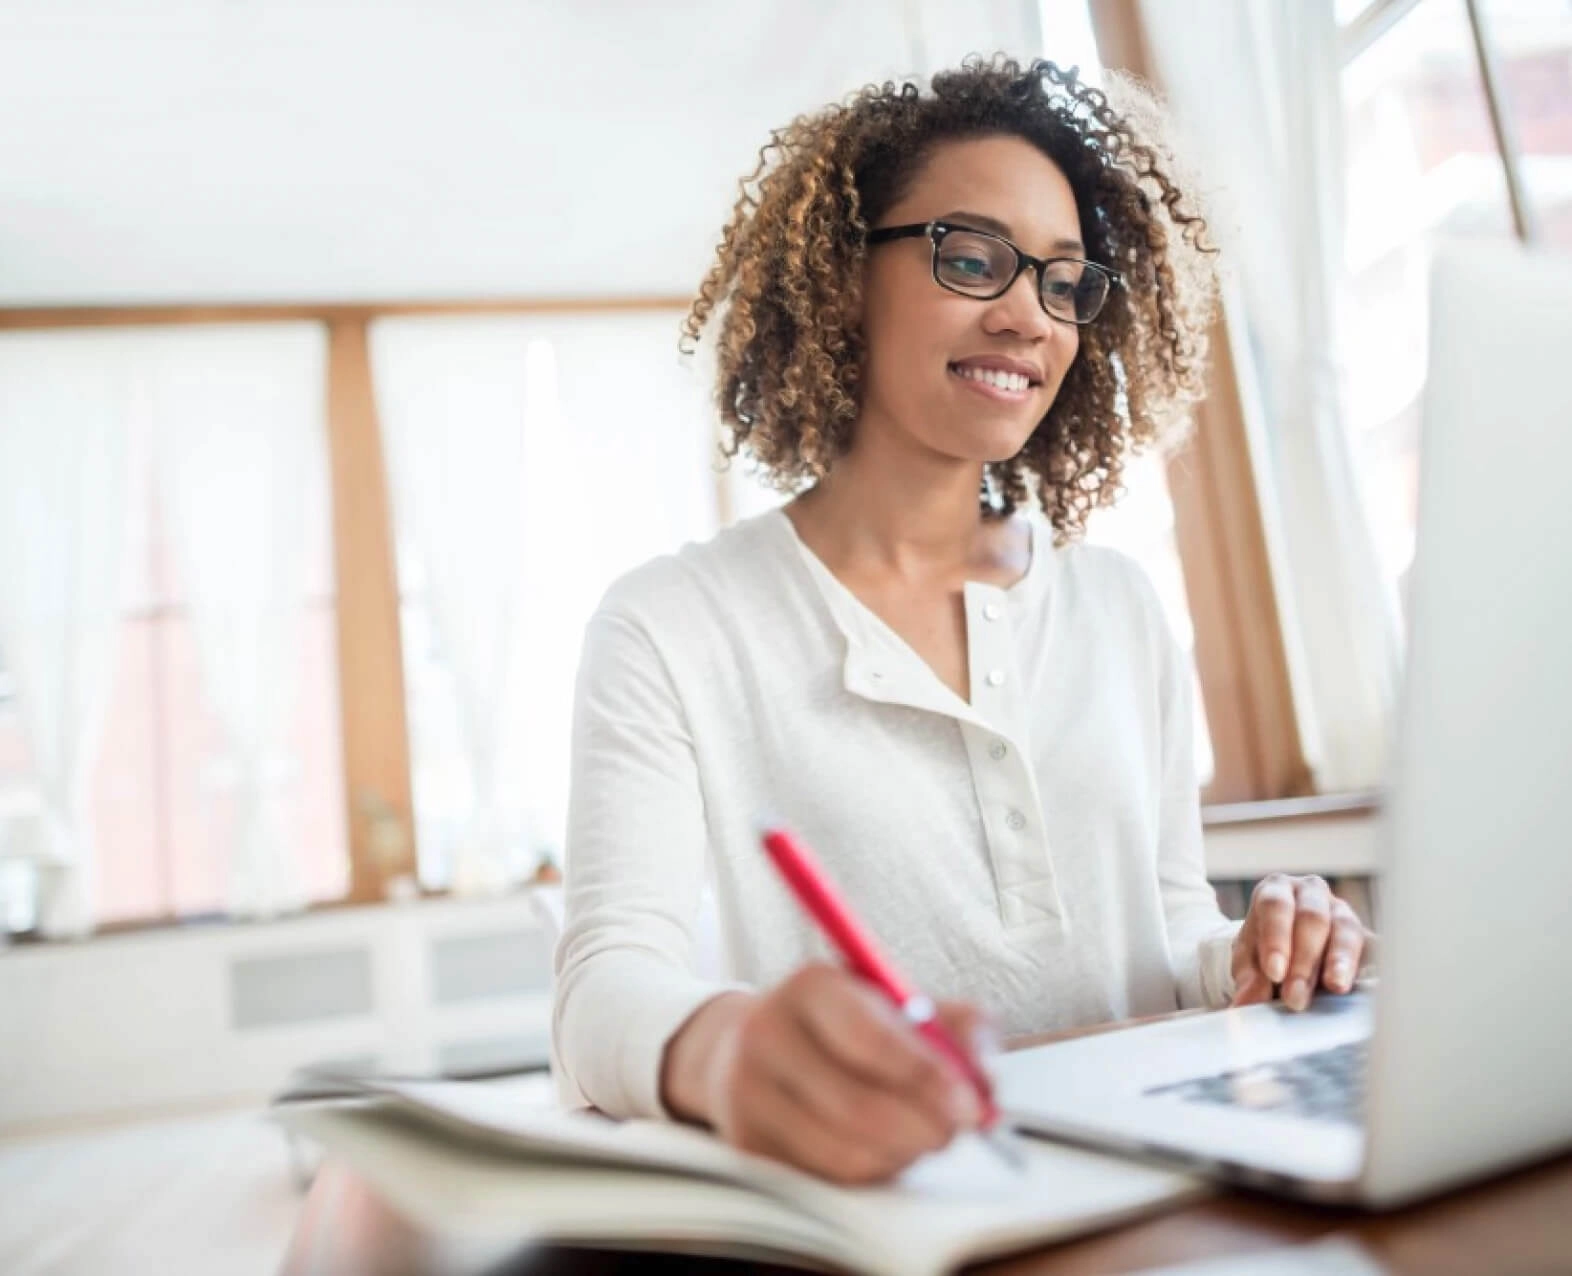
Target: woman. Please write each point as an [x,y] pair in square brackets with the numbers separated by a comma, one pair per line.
[934,310]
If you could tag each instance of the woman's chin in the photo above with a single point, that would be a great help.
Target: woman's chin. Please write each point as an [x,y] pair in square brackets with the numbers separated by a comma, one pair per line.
[997,447]
[981,441]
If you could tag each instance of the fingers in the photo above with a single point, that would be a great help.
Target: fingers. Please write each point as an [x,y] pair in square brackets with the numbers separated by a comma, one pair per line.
[1251,987]
[771,1120]
[1272,907]
[905,1124]
[1311,926]
[1297,936]
[865,1035]
[826,1075]
[1247,978]
[1345,949]
[969,1026]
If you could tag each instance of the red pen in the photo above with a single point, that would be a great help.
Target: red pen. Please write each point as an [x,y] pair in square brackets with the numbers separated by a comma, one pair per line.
[815,893]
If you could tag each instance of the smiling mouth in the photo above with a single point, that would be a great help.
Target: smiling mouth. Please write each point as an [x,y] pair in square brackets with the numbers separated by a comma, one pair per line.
[1010,387]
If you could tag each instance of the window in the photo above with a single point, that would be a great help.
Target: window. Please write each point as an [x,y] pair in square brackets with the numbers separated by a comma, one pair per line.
[593,484]
[1142,524]
[164,806]
[1533,42]
[209,467]
[1423,167]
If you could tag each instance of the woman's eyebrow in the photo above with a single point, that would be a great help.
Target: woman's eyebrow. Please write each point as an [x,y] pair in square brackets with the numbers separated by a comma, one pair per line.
[981,221]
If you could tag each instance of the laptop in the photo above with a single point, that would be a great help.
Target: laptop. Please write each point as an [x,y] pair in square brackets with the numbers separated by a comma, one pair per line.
[1458,1063]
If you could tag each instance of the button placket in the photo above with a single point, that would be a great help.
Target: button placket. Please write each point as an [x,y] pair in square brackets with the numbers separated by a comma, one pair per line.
[1006,786]
[995,684]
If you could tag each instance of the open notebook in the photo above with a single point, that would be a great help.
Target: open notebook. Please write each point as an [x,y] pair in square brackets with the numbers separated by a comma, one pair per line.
[477,1159]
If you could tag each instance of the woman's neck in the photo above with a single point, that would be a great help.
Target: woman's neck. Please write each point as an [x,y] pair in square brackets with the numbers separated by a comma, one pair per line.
[916,519]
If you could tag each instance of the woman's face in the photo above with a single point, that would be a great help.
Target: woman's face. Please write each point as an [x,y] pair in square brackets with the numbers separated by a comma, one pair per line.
[934,357]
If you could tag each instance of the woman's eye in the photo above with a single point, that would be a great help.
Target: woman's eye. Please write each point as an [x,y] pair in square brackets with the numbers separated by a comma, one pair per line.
[1062,288]
[975,267]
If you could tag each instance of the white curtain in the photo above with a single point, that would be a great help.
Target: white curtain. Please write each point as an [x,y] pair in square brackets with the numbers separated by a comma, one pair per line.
[631,466]
[451,396]
[63,500]
[533,460]
[1267,137]
[239,417]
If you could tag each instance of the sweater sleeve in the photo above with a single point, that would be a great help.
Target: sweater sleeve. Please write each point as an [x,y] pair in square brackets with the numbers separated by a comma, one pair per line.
[1200,937]
[625,967]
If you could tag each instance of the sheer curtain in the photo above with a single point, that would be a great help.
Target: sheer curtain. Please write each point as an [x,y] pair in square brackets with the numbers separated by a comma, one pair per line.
[1268,137]
[533,460]
[64,401]
[627,471]
[451,396]
[239,417]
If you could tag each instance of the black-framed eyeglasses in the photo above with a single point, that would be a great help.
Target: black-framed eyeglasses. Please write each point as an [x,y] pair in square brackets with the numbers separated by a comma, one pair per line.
[976,263]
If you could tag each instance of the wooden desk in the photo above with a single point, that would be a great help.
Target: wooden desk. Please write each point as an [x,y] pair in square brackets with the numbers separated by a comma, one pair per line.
[1520,1223]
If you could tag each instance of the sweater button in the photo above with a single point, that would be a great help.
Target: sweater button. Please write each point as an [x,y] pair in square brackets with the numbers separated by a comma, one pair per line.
[992,612]
[1016,821]
[996,678]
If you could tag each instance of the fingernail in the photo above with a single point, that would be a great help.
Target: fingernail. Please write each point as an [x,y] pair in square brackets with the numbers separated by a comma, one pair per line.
[1297,994]
[1337,976]
[965,1107]
[1276,967]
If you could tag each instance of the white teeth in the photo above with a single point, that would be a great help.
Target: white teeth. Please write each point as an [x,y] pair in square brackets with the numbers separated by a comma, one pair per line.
[1004,380]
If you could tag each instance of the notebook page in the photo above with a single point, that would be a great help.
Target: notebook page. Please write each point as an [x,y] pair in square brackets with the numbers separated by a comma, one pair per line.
[964,1203]
[492,1112]
[956,1205]
[463,1190]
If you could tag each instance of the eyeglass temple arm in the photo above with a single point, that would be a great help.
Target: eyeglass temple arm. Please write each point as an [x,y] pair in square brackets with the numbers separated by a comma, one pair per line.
[899,232]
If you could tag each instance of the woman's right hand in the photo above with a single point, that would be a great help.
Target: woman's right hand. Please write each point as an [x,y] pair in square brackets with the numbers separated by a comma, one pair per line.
[823,1073]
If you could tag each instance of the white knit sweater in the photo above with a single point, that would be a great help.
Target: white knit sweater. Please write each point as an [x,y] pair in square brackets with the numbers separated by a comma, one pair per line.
[1037,851]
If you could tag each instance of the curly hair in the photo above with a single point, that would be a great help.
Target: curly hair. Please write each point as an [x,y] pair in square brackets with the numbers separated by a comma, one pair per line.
[786,285]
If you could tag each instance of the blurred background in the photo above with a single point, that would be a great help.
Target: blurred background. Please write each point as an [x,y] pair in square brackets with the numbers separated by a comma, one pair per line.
[339,377]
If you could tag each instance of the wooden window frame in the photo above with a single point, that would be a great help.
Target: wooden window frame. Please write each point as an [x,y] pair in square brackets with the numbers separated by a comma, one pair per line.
[374,728]
[1240,653]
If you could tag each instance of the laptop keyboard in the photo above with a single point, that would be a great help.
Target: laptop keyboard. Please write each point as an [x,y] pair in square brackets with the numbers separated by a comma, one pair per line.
[1328,1085]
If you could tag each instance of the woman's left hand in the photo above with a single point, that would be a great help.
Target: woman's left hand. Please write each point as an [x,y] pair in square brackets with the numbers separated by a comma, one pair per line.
[1298,937]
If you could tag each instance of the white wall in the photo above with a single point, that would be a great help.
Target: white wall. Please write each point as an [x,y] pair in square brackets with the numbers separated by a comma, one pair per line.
[173,150]
[153,1019]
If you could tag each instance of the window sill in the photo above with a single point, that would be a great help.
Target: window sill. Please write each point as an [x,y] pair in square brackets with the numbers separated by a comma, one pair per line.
[1360,805]
[429,904]
[1335,835]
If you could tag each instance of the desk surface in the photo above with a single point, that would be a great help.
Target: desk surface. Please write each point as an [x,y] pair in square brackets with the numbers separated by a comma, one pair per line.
[1519,1223]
